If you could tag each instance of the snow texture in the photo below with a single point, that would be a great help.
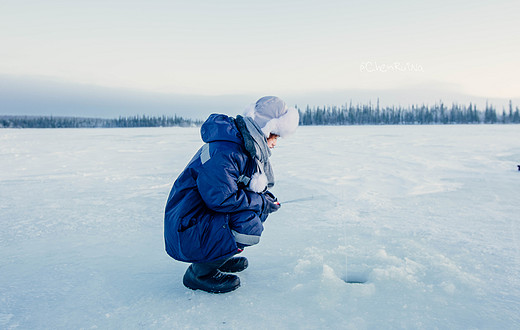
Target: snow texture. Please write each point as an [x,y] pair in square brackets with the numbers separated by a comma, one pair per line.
[428,216]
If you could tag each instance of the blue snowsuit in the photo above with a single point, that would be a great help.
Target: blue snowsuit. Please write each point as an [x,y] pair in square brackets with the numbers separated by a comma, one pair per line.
[209,213]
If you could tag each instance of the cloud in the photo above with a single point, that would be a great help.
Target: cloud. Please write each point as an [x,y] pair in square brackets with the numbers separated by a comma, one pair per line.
[24,95]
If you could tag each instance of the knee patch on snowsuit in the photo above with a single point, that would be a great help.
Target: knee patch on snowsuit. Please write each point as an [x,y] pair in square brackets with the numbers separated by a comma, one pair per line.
[246,227]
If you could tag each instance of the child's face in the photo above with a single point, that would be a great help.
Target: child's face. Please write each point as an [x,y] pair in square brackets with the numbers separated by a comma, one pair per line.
[271,141]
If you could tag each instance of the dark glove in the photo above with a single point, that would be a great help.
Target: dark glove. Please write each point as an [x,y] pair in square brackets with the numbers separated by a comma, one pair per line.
[271,202]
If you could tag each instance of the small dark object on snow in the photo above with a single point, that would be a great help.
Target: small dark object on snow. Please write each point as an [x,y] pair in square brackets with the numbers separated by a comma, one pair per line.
[518,167]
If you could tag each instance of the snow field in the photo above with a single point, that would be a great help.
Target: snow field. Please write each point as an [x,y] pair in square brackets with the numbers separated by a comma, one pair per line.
[426,215]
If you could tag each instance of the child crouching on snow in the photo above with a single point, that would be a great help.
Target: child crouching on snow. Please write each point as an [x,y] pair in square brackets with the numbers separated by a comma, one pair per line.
[218,204]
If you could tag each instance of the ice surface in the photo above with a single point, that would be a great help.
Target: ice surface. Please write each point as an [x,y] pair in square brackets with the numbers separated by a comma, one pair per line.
[427,215]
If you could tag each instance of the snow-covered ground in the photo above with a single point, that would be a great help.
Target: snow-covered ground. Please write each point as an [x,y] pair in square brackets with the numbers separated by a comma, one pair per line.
[428,216]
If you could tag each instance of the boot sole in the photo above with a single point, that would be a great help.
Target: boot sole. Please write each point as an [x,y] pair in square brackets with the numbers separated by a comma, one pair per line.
[193,286]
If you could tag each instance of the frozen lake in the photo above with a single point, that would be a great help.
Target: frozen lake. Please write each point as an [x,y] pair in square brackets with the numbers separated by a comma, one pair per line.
[428,216]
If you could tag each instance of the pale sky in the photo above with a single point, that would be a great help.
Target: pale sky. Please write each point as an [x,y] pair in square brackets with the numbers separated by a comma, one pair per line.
[266,47]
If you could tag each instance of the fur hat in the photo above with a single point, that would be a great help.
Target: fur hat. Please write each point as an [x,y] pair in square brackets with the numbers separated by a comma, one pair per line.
[273,116]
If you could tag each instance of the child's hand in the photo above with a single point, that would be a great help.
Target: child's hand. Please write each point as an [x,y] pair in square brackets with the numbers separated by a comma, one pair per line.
[272,202]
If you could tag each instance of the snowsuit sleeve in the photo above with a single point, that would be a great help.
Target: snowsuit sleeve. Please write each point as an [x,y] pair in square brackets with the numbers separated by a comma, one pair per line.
[217,185]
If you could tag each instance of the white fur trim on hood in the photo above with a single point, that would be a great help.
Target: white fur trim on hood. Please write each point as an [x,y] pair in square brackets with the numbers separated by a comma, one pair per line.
[284,125]
[273,116]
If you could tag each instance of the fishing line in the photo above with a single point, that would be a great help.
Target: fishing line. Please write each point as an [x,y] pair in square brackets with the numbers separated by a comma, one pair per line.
[304,199]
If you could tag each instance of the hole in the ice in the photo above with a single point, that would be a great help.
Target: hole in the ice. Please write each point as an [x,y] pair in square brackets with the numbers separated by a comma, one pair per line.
[356,278]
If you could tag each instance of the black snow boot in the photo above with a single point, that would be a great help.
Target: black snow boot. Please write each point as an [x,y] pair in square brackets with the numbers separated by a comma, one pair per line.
[234,265]
[207,277]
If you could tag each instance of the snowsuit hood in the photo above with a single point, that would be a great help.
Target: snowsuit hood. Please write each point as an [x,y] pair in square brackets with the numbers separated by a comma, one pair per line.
[220,128]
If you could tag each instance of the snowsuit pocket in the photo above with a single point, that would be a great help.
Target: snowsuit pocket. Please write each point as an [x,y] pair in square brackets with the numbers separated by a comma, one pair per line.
[206,238]
[186,223]
[190,239]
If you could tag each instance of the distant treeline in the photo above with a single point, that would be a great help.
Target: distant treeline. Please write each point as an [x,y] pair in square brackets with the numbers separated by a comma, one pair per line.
[328,115]
[81,122]
[421,115]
